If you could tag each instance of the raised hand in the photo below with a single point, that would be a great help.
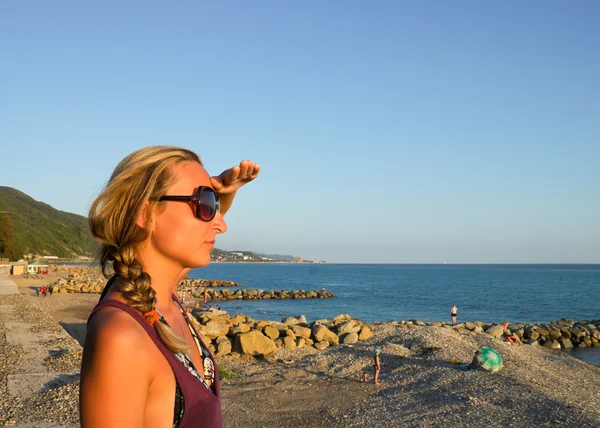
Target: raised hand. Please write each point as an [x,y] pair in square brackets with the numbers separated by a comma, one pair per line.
[230,180]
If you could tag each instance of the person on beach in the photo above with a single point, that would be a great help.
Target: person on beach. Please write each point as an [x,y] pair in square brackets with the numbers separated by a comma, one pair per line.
[143,362]
[376,366]
[512,339]
[453,313]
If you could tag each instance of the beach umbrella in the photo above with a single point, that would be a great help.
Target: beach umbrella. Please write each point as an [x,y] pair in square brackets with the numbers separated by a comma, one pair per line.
[488,359]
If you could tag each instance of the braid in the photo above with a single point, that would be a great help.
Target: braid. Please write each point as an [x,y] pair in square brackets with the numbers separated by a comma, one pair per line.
[136,287]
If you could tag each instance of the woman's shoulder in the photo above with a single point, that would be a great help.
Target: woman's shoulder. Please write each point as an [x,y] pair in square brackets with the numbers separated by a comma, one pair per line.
[113,327]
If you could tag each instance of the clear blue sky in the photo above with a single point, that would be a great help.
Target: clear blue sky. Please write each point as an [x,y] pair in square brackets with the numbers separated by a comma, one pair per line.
[461,131]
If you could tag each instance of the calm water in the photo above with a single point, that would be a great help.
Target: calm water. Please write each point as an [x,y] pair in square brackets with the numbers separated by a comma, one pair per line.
[490,293]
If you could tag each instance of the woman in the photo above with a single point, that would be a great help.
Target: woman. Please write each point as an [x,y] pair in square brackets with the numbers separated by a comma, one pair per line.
[143,363]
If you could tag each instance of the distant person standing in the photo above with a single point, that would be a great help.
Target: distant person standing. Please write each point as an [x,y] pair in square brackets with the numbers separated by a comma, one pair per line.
[453,313]
[376,366]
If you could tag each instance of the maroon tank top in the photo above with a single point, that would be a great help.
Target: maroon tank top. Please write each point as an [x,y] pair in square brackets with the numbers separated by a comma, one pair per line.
[202,407]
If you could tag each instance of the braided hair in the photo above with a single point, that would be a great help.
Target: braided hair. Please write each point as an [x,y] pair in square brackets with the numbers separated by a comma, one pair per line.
[141,177]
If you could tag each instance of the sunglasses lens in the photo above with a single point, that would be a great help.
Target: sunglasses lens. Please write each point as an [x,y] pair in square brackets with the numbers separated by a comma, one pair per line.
[208,205]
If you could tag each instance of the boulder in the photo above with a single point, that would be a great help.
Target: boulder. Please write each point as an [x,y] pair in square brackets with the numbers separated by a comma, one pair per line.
[271,332]
[216,328]
[552,344]
[301,331]
[349,338]
[289,342]
[254,343]
[322,345]
[348,327]
[321,333]
[365,333]
[565,343]
[495,331]
[223,346]
[341,318]
[294,320]
[241,328]
[470,326]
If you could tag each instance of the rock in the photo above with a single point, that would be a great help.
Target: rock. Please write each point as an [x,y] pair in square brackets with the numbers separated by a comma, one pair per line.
[254,343]
[294,320]
[322,345]
[555,333]
[216,328]
[436,324]
[271,332]
[565,343]
[223,346]
[531,334]
[365,333]
[321,333]
[495,331]
[301,331]
[348,327]
[349,338]
[477,329]
[289,342]
[309,342]
[341,318]
[470,326]
[552,344]
[300,342]
[241,328]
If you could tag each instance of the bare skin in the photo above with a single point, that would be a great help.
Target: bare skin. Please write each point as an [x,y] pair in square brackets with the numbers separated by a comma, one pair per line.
[377,367]
[122,368]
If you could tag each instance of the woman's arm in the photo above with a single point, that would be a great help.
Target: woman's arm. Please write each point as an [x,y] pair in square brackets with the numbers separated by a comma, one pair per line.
[115,372]
[229,181]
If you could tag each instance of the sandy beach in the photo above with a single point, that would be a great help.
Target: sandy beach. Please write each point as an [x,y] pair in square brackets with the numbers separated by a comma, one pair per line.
[311,388]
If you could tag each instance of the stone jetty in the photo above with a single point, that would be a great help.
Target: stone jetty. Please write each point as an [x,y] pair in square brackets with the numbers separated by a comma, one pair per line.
[83,279]
[241,334]
[250,294]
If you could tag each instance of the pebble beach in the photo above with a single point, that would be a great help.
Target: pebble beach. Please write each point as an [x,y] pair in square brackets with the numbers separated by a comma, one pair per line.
[307,387]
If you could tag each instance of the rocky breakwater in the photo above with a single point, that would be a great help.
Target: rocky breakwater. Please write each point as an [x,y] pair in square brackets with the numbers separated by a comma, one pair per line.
[190,285]
[79,279]
[562,334]
[240,334]
[250,294]
[86,279]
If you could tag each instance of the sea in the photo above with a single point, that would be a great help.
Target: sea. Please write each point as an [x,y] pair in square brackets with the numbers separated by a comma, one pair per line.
[386,292]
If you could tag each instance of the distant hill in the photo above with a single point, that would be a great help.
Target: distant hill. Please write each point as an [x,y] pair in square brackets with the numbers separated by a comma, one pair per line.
[29,226]
[40,229]
[277,256]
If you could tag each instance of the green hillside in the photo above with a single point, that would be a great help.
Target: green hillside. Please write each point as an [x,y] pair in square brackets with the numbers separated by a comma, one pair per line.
[40,229]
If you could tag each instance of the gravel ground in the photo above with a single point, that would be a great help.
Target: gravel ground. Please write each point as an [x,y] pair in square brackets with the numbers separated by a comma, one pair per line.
[420,388]
[310,388]
[57,404]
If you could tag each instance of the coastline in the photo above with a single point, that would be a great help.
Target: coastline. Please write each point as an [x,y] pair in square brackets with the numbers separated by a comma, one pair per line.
[310,388]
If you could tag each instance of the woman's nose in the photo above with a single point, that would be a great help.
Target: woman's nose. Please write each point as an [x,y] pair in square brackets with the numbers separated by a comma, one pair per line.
[219,223]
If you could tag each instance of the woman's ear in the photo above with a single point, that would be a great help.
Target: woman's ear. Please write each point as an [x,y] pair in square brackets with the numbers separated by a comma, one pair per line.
[144,219]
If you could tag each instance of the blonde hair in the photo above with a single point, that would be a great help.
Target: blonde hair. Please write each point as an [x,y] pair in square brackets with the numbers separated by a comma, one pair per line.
[142,176]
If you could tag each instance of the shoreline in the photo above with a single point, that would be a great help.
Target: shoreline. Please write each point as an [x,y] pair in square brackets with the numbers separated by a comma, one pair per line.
[310,388]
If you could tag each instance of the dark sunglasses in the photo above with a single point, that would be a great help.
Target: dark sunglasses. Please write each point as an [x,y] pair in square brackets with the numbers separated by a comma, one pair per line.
[204,202]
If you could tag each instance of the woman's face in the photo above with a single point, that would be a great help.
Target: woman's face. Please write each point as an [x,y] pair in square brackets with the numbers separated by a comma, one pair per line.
[177,234]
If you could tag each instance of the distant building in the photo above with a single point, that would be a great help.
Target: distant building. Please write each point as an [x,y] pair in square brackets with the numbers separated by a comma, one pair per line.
[18,268]
[37,266]
[297,259]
